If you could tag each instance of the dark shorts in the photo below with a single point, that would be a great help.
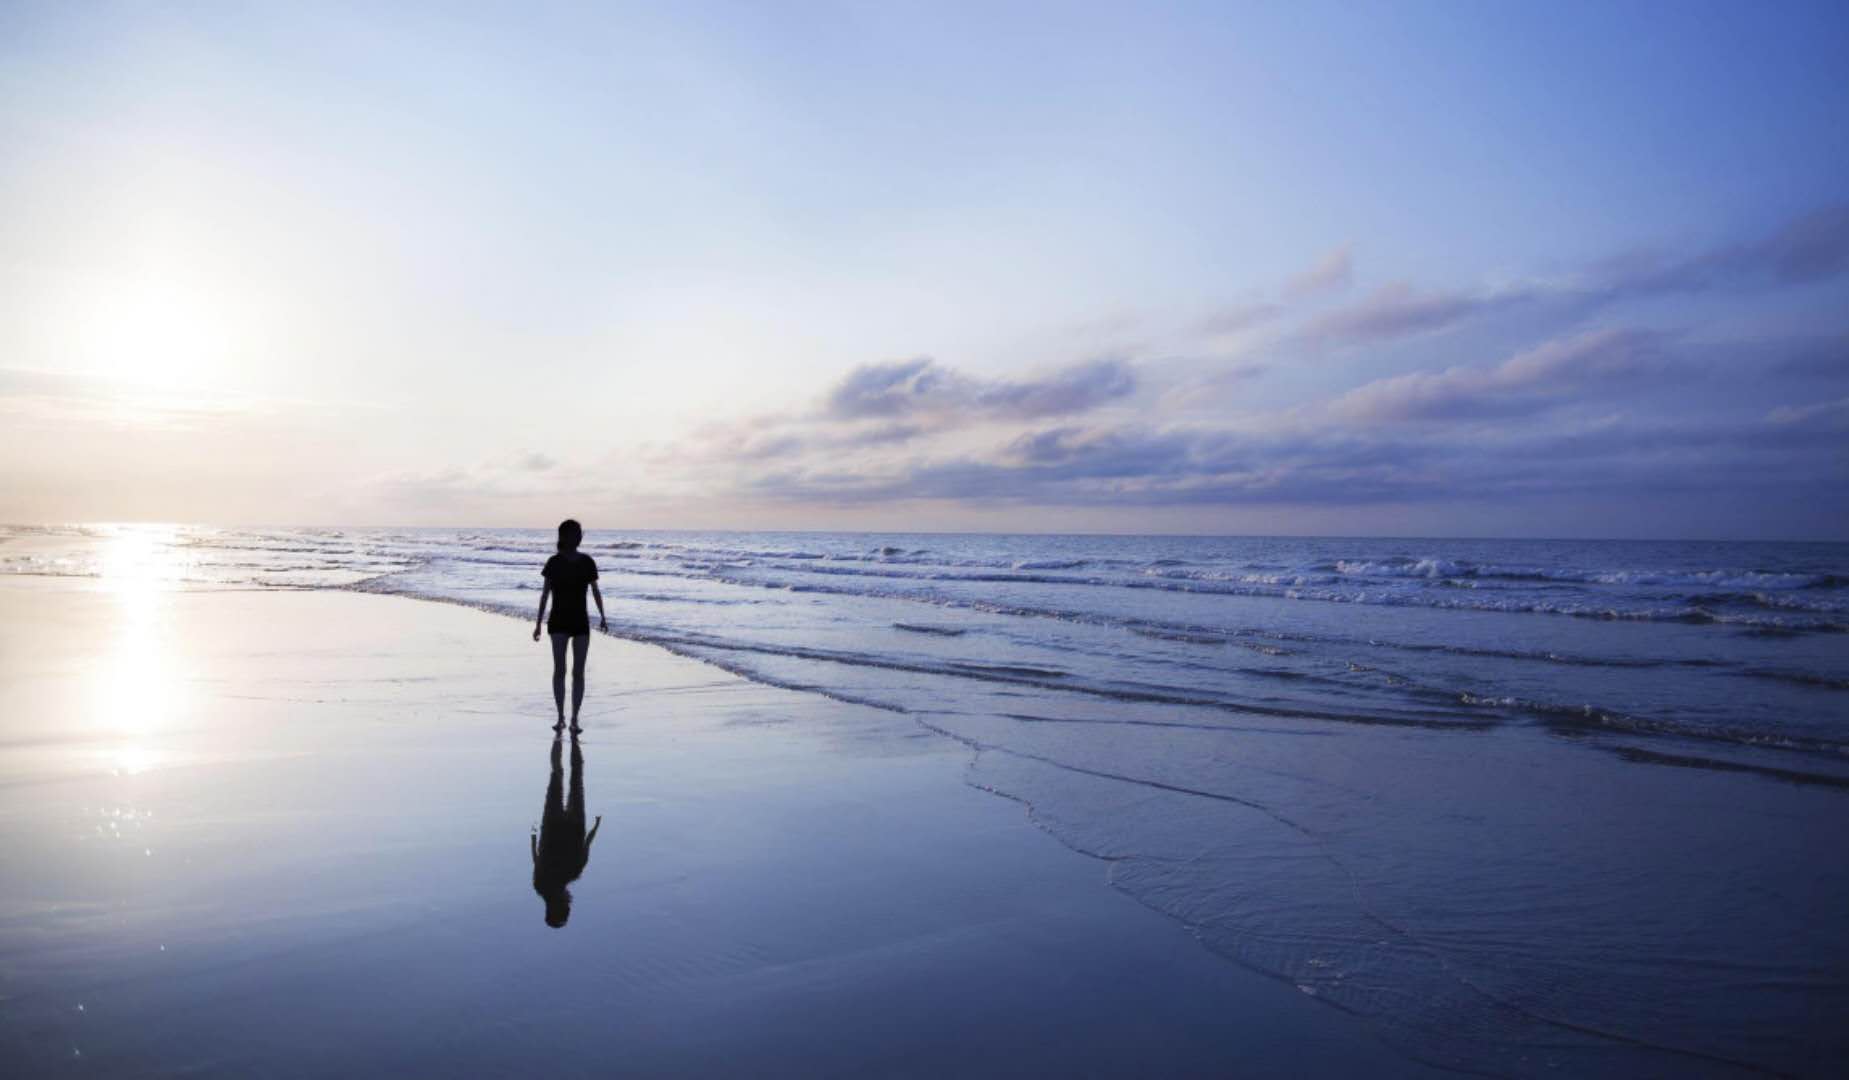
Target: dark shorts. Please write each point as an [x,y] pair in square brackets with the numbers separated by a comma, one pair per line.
[573,629]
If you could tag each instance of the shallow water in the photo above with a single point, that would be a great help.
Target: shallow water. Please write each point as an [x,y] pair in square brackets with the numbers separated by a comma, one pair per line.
[305,851]
[1526,805]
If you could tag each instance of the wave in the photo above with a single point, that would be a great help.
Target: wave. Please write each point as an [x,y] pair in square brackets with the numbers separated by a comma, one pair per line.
[702,646]
[1709,764]
[1474,710]
[1195,655]
[1799,678]
[1771,601]
[1438,567]
[1410,569]
[1787,600]
[1815,621]
[1781,626]
[1567,716]
[1415,568]
[1184,636]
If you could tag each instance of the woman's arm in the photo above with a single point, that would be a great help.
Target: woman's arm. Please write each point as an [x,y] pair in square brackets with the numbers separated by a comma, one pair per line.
[539,620]
[602,623]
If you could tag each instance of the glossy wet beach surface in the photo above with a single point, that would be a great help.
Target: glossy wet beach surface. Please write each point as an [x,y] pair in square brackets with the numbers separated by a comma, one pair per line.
[289,834]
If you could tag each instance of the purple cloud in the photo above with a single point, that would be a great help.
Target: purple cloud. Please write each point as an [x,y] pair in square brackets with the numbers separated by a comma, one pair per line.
[1398,310]
[922,387]
[891,389]
[1811,248]
[1529,382]
[1332,272]
[1237,318]
[1733,419]
[1097,466]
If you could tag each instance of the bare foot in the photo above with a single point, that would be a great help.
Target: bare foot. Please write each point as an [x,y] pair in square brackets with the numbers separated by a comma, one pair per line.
[575,729]
[560,726]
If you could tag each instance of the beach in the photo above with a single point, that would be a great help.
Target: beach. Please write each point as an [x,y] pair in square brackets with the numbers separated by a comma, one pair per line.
[909,804]
[287,834]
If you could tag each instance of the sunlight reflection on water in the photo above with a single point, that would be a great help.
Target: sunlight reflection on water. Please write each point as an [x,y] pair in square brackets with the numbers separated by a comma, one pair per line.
[139,692]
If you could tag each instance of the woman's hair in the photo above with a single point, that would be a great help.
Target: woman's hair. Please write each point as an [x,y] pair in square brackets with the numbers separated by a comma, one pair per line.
[570,534]
[558,907]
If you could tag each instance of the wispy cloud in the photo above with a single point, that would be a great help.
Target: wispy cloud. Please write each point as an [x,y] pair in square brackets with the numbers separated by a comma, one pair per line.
[1567,411]
[1832,414]
[521,478]
[1332,272]
[1397,310]
[1194,466]
[94,401]
[1811,248]
[1526,383]
[890,404]
[1240,317]
[921,387]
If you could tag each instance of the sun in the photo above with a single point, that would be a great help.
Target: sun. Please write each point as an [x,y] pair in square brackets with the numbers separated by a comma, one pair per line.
[152,331]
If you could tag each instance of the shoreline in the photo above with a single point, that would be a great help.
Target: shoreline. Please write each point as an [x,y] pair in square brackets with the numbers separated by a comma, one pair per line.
[811,885]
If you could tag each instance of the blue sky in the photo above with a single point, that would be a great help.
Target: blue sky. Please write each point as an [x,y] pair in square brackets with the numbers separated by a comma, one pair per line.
[1563,269]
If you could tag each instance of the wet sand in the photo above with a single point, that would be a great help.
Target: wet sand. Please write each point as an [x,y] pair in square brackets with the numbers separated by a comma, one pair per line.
[288,834]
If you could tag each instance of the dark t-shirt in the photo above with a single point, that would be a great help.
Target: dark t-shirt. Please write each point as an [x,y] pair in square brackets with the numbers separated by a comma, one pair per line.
[569,575]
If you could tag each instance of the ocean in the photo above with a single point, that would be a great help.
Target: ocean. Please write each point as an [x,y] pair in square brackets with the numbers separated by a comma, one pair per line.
[1512,801]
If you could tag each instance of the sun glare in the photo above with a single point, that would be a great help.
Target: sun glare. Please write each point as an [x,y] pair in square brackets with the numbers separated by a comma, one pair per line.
[139,690]
[155,333]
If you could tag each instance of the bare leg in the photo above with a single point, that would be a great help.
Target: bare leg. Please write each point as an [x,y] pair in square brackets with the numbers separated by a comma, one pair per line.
[558,672]
[580,644]
[574,803]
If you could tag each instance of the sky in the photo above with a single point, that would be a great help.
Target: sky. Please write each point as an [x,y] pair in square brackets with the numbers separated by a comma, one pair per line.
[1553,269]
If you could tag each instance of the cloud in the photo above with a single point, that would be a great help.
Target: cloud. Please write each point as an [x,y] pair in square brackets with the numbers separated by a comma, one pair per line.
[1136,466]
[1332,272]
[1526,383]
[524,481]
[1237,318]
[1817,358]
[1811,248]
[1075,452]
[1833,414]
[56,398]
[1394,441]
[749,442]
[1212,389]
[1119,465]
[1398,310]
[1612,416]
[921,387]
[891,389]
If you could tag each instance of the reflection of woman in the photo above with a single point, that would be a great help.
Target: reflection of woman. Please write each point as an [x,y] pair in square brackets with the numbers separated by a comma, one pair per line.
[560,846]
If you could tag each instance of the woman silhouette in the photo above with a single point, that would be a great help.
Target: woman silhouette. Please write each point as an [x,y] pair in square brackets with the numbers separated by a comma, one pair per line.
[560,846]
[567,574]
